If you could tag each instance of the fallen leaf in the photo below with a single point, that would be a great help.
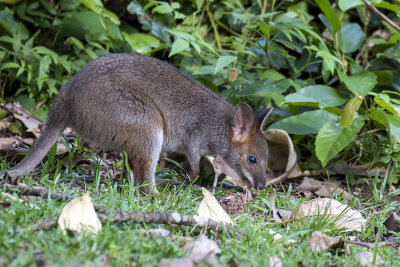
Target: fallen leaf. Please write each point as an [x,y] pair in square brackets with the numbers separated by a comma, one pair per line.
[234,204]
[79,215]
[275,261]
[323,189]
[203,249]
[393,223]
[322,242]
[344,168]
[32,123]
[282,157]
[210,208]
[341,215]
[365,259]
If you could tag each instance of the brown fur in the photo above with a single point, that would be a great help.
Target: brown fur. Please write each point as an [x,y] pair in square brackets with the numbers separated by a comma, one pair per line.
[144,106]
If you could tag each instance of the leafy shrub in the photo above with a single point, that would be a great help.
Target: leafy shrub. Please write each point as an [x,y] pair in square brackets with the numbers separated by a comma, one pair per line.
[330,69]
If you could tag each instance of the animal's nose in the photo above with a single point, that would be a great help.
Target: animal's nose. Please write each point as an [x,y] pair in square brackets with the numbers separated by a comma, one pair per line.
[260,185]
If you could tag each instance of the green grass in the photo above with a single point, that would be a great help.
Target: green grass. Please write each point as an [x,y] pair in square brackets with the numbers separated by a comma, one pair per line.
[123,244]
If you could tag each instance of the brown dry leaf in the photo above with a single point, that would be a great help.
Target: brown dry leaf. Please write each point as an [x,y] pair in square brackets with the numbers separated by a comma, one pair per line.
[33,124]
[344,168]
[393,223]
[203,250]
[281,153]
[322,242]
[342,215]
[365,259]
[79,215]
[275,261]
[210,208]
[234,204]
[323,189]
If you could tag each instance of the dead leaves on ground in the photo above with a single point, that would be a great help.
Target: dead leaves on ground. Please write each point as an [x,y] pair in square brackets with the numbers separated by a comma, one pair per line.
[16,118]
[330,210]
[79,215]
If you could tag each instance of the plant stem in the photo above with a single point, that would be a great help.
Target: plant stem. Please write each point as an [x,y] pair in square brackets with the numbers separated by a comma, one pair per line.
[210,16]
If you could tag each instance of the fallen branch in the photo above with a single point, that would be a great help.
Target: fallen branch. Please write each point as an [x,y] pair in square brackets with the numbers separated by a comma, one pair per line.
[169,218]
[369,245]
[123,216]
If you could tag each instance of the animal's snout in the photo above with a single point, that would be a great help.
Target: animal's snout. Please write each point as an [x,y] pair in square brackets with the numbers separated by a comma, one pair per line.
[260,185]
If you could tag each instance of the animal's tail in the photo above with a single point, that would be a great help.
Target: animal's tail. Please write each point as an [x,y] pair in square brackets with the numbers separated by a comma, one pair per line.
[37,152]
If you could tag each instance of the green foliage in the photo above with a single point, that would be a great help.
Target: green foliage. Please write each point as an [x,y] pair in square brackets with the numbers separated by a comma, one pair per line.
[331,70]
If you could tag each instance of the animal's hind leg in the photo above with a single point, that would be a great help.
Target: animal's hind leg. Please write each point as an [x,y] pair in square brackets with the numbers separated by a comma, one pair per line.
[144,157]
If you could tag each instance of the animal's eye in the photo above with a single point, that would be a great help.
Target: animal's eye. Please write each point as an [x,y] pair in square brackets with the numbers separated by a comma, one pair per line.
[252,160]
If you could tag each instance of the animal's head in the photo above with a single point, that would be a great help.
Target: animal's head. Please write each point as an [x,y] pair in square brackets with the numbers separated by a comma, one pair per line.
[246,161]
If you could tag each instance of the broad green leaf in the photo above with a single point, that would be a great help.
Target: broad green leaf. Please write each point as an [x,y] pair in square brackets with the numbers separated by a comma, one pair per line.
[183,35]
[45,51]
[324,5]
[141,42]
[360,84]
[224,61]
[309,122]
[378,115]
[164,8]
[394,128]
[317,96]
[345,5]
[383,100]
[384,77]
[179,46]
[350,38]
[9,65]
[266,88]
[332,139]
[76,42]
[349,111]
[147,6]
[97,7]
[9,24]
[271,74]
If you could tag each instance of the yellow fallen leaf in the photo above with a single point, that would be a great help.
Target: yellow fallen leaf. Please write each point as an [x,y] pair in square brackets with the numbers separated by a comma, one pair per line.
[341,215]
[79,215]
[210,208]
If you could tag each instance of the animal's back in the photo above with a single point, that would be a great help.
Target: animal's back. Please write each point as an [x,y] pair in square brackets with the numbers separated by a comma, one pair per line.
[120,89]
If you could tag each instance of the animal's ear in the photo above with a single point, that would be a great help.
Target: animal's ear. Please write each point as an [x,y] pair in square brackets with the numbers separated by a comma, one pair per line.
[262,117]
[243,121]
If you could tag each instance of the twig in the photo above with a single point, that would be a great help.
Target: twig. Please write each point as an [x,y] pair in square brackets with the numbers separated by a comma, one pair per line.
[123,216]
[168,218]
[381,15]
[37,191]
[367,244]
